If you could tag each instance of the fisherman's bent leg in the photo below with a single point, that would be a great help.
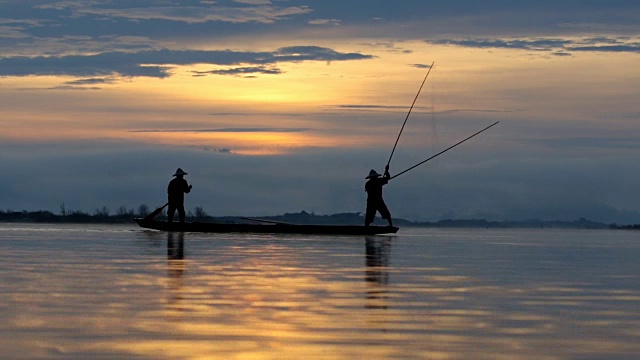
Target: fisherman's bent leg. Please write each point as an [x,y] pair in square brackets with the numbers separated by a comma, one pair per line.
[384,212]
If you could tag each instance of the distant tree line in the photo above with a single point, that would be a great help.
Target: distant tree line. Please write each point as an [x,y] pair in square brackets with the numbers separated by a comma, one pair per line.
[126,215]
[101,215]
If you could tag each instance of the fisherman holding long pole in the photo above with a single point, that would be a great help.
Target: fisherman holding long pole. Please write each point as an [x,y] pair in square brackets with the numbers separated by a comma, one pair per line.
[373,187]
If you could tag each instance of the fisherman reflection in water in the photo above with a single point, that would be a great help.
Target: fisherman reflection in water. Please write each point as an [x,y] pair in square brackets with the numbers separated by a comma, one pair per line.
[176,190]
[175,266]
[377,251]
[375,203]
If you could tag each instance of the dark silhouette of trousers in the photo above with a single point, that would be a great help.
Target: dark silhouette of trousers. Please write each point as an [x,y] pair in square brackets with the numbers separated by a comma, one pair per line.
[374,206]
[172,210]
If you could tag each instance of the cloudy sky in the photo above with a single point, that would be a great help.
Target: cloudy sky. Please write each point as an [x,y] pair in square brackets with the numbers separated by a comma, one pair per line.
[277,106]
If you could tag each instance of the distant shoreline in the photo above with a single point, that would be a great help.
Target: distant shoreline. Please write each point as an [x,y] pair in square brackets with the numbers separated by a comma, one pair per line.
[302,217]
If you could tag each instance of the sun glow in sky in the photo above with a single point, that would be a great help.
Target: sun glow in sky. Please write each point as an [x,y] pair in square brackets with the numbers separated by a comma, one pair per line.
[323,82]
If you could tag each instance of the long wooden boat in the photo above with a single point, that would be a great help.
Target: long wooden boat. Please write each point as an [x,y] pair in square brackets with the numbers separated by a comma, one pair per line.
[274,228]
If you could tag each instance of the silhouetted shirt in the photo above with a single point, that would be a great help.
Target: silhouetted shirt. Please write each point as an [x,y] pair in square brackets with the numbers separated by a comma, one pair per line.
[373,187]
[176,189]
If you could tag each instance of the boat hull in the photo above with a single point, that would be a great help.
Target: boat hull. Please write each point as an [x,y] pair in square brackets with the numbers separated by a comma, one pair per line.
[266,229]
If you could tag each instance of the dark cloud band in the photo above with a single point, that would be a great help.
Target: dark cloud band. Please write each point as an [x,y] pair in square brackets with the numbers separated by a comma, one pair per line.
[561,46]
[159,63]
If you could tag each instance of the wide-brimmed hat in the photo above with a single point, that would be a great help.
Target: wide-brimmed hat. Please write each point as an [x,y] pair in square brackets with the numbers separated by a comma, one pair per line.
[179,172]
[372,174]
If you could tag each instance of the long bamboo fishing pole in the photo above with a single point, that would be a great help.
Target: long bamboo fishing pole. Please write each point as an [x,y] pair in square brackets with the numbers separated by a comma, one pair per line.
[443,151]
[409,113]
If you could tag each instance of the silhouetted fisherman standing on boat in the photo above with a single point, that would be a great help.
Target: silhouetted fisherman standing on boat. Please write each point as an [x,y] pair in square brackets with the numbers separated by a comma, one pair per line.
[176,190]
[375,203]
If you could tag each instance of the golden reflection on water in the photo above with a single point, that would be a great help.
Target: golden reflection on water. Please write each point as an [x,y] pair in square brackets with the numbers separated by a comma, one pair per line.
[264,297]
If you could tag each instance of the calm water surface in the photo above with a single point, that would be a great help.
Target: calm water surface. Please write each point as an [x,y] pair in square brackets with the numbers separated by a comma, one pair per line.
[98,291]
